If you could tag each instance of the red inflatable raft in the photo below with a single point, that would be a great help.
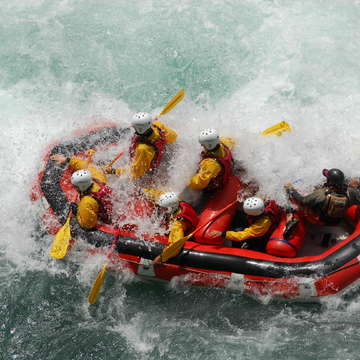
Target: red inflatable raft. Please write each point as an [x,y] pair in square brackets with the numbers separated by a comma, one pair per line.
[309,271]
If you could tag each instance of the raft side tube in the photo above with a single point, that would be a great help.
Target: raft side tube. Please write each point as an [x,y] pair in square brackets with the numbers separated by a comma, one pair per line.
[242,262]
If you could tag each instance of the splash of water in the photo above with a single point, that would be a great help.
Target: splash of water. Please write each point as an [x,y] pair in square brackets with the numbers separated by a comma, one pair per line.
[245,66]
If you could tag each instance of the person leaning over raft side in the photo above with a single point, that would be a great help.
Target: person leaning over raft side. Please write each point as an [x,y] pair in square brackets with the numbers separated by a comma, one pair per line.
[80,164]
[328,204]
[148,145]
[95,195]
[262,218]
[216,165]
[183,221]
[95,200]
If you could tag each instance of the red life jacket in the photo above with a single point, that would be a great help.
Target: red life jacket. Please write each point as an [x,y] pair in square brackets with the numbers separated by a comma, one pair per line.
[158,145]
[272,209]
[104,198]
[188,213]
[226,163]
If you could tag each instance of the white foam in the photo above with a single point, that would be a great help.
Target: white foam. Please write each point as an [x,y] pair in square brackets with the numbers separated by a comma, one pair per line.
[295,69]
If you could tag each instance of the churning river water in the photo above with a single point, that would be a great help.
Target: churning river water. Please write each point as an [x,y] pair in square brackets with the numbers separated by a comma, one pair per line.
[245,65]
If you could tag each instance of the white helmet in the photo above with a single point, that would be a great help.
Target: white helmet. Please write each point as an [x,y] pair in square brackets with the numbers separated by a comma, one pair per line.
[253,206]
[169,200]
[141,122]
[209,139]
[82,179]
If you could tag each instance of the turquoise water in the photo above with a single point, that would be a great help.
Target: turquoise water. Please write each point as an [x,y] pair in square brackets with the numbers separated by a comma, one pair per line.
[245,65]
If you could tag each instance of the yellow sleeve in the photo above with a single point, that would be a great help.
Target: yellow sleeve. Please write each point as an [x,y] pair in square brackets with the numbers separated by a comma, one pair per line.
[208,169]
[120,171]
[170,134]
[176,240]
[153,193]
[78,164]
[229,142]
[87,212]
[144,154]
[96,172]
[258,228]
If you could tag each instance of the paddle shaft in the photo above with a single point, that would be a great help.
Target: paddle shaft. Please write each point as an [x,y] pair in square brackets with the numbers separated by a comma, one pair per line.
[110,163]
[211,220]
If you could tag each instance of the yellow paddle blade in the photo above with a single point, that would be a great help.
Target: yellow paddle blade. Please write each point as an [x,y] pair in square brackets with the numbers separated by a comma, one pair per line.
[174,101]
[61,241]
[94,292]
[173,249]
[277,129]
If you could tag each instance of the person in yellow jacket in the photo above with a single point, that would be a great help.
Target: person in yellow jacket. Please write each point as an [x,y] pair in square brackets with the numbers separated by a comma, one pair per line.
[216,165]
[148,145]
[95,200]
[95,196]
[183,220]
[261,220]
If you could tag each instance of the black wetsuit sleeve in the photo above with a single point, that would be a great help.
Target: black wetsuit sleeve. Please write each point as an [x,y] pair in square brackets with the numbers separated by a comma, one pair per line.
[354,196]
[295,195]
[315,200]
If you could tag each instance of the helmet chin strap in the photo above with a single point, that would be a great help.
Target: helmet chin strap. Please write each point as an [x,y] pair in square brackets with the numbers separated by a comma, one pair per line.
[148,132]
[214,149]
[336,187]
[174,209]
[84,190]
